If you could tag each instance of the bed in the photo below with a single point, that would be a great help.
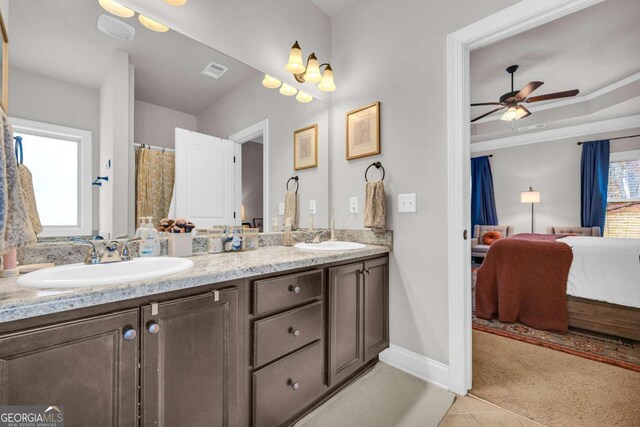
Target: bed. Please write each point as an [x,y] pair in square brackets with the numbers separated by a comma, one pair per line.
[552,282]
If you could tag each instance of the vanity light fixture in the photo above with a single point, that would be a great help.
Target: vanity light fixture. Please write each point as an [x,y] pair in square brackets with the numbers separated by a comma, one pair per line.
[176,2]
[312,73]
[271,82]
[287,90]
[152,25]
[304,97]
[116,8]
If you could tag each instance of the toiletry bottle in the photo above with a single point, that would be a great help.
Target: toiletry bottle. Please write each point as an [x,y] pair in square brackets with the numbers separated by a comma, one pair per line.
[150,240]
[140,227]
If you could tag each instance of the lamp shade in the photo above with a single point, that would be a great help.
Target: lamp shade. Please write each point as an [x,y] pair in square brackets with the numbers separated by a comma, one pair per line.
[312,75]
[271,82]
[116,8]
[152,25]
[176,2]
[327,84]
[304,97]
[515,113]
[295,64]
[530,196]
[287,90]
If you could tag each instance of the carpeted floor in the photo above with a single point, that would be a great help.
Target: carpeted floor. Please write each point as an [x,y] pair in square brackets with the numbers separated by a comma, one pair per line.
[552,387]
[384,397]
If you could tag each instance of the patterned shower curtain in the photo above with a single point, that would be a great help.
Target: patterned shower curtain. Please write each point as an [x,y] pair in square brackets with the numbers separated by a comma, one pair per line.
[155,171]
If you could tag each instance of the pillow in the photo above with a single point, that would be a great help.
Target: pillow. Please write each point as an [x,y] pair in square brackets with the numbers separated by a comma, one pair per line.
[491,236]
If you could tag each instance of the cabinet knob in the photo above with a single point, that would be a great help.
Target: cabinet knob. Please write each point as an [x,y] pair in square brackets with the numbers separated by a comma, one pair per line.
[294,332]
[129,333]
[153,327]
[294,385]
[294,289]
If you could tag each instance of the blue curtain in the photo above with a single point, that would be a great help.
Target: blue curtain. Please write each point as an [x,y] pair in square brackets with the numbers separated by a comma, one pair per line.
[483,203]
[594,170]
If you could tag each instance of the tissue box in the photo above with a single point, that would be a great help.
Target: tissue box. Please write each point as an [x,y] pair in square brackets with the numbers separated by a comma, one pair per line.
[180,244]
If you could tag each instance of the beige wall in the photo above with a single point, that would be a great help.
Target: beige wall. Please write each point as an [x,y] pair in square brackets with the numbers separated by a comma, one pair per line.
[395,53]
[553,168]
[251,103]
[155,125]
[43,99]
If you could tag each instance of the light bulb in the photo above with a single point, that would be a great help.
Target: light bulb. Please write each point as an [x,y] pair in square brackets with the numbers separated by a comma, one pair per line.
[312,75]
[116,8]
[287,90]
[152,25]
[295,64]
[509,115]
[304,97]
[270,82]
[176,2]
[327,84]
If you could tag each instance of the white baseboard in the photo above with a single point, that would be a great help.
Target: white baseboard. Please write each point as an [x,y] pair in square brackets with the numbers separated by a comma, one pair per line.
[430,370]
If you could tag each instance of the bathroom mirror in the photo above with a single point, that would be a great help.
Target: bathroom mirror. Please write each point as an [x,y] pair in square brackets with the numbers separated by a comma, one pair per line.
[119,121]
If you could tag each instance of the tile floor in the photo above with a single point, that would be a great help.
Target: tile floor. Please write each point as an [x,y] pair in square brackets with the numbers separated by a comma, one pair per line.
[469,411]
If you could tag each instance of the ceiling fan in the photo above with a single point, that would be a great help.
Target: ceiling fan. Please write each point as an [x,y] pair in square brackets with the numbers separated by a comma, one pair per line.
[511,100]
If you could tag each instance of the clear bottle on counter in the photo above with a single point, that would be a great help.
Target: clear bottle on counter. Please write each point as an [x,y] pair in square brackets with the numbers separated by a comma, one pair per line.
[215,241]
[287,237]
[233,239]
[251,238]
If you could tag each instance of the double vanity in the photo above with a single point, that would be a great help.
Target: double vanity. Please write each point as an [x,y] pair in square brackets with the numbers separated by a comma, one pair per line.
[253,338]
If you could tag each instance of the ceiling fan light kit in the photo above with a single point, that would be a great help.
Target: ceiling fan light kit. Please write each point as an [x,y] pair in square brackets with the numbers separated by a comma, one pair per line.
[511,100]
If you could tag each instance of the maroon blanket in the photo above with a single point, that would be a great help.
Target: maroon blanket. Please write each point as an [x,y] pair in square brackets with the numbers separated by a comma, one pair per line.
[524,278]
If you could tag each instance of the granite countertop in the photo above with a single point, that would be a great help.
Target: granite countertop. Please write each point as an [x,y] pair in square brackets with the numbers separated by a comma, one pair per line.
[21,303]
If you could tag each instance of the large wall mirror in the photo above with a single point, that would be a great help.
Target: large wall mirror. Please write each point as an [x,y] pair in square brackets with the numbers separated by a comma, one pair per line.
[118,121]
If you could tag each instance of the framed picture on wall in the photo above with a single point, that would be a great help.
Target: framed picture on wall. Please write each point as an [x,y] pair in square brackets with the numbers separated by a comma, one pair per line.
[305,148]
[363,131]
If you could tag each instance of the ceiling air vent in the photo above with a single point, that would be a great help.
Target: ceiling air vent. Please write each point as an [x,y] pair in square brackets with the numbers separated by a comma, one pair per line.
[213,70]
[538,126]
[116,28]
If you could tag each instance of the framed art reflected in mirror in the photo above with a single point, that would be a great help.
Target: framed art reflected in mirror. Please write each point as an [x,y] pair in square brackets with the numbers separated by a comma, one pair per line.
[4,67]
[305,148]
[363,131]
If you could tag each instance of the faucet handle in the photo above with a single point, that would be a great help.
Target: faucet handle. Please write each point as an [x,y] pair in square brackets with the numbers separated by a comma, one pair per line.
[126,254]
[93,257]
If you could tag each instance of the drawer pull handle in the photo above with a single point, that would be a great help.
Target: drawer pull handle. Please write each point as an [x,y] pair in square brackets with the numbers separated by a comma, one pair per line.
[293,384]
[294,332]
[366,270]
[153,327]
[129,333]
[294,289]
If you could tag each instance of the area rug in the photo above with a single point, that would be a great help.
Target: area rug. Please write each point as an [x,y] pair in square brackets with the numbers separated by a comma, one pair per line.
[552,387]
[616,351]
[384,396]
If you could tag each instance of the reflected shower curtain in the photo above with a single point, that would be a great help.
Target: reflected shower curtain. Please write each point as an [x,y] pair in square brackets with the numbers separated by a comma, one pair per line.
[483,203]
[155,172]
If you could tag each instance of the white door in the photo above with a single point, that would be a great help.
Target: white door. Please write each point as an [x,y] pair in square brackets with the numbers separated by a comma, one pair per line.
[205,179]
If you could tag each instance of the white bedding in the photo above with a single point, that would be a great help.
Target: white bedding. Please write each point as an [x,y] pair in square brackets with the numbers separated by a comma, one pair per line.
[605,269]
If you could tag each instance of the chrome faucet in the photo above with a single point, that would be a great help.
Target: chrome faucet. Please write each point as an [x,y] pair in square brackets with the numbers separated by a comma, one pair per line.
[114,251]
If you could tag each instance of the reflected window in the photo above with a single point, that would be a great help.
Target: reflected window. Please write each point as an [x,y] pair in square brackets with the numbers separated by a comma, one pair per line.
[623,196]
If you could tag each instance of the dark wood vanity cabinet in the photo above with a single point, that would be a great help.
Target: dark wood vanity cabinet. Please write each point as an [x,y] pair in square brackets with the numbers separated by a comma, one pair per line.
[190,361]
[358,316]
[88,366]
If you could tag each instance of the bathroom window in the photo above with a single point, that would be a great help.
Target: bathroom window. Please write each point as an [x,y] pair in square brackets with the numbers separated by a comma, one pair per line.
[59,159]
[623,195]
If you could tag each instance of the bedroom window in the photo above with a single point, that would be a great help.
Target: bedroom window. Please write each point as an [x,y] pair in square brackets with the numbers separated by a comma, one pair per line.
[623,199]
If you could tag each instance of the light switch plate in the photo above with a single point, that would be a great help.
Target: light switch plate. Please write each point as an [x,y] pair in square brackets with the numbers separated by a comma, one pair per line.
[353,205]
[312,207]
[280,208]
[407,203]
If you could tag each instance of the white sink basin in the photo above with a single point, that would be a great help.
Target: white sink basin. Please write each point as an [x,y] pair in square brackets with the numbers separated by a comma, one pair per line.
[86,276]
[330,246]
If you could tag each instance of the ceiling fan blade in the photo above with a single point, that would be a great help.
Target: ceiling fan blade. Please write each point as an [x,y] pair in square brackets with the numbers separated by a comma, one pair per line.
[486,103]
[527,90]
[565,94]
[528,112]
[486,114]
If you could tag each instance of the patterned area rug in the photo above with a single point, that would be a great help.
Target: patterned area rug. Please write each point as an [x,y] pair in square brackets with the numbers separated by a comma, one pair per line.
[609,349]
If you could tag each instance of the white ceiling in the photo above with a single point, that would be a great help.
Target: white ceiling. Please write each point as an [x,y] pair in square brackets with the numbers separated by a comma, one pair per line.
[332,7]
[587,50]
[60,39]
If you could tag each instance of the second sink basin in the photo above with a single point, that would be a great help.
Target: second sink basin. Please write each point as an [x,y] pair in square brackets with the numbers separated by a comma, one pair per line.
[330,246]
[86,276]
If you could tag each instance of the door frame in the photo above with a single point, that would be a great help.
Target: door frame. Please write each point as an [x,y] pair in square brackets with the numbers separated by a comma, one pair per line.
[520,17]
[246,135]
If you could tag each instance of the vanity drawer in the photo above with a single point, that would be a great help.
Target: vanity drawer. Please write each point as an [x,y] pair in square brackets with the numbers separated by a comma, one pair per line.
[278,335]
[286,291]
[288,386]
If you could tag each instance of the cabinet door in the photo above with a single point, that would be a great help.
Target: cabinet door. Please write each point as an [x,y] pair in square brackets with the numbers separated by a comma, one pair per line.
[87,366]
[190,361]
[376,307]
[345,318]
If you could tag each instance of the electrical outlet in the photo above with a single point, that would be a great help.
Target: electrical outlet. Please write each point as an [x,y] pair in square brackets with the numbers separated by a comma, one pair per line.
[407,203]
[312,207]
[353,205]
[280,208]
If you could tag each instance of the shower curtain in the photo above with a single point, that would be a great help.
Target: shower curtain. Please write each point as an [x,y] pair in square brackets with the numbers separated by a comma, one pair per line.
[155,171]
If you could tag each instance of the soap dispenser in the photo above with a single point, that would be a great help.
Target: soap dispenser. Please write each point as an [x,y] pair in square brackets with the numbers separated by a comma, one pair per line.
[150,240]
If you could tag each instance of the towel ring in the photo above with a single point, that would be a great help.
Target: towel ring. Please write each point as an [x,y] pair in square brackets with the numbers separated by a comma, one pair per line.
[295,178]
[378,165]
